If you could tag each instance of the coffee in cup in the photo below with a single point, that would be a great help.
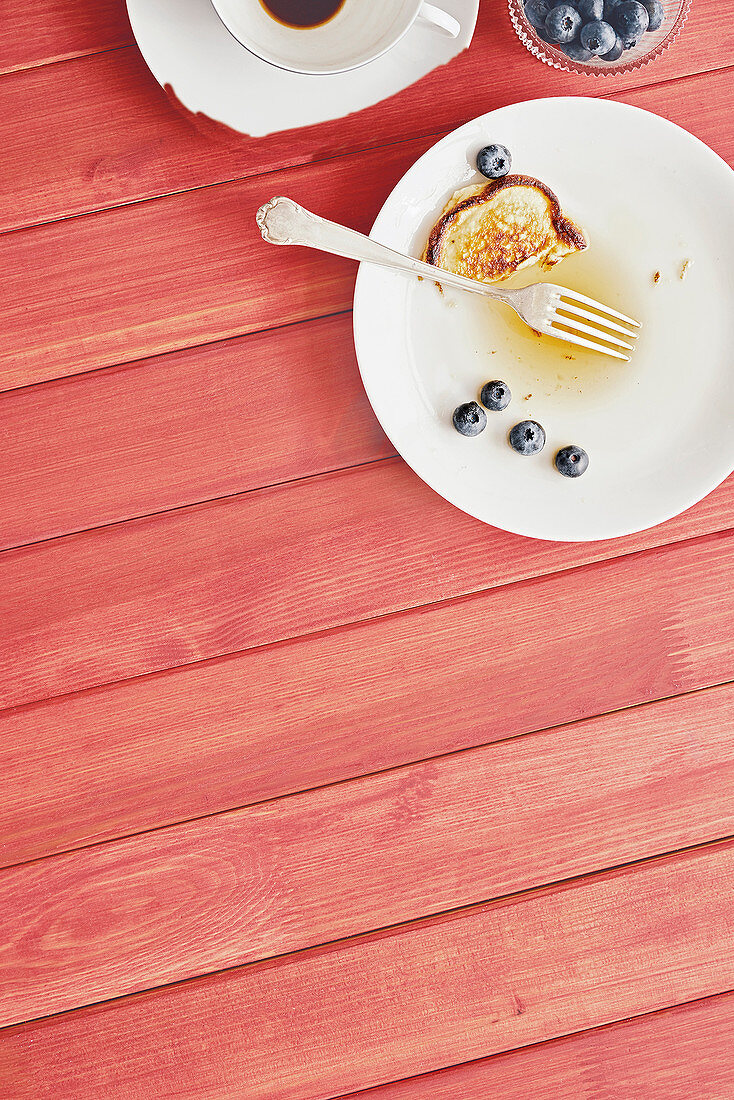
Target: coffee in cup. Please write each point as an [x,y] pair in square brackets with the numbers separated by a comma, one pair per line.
[320,37]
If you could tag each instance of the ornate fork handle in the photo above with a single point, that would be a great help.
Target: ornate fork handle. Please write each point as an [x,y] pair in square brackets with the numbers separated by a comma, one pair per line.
[283,221]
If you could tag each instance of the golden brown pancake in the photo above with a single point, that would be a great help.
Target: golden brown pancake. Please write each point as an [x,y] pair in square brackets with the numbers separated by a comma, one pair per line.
[490,231]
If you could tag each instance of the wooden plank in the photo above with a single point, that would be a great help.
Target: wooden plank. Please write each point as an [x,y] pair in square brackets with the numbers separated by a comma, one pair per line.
[404,1001]
[346,859]
[682,1053]
[53,30]
[154,435]
[212,736]
[109,134]
[187,269]
[244,571]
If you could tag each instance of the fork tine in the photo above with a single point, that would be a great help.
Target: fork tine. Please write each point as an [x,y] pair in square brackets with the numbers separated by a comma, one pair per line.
[561,335]
[566,307]
[579,326]
[576,297]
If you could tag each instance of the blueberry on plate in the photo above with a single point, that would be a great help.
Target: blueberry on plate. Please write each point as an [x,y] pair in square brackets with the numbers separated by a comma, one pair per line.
[495,395]
[656,13]
[576,51]
[630,20]
[598,37]
[609,8]
[590,10]
[527,437]
[536,12]
[572,461]
[494,161]
[563,23]
[470,419]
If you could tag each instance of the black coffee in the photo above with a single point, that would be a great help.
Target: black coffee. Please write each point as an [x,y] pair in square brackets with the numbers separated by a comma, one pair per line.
[302,13]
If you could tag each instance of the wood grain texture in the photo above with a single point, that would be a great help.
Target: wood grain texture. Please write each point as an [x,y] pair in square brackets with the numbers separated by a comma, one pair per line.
[406,1001]
[52,30]
[682,1053]
[245,571]
[188,269]
[108,133]
[290,874]
[279,580]
[181,428]
[191,268]
[333,706]
[200,423]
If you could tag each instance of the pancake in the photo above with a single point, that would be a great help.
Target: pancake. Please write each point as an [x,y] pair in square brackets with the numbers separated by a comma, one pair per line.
[490,231]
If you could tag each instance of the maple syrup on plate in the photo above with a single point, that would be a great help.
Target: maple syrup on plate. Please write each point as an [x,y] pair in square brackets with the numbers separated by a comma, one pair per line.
[545,365]
[302,13]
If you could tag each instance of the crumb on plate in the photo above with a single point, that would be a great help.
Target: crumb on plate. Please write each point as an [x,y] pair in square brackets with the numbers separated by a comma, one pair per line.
[656,277]
[684,269]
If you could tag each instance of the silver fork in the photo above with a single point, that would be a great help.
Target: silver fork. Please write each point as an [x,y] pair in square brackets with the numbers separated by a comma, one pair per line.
[545,307]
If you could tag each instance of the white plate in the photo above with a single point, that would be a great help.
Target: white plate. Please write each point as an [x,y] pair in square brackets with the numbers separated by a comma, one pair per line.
[187,48]
[660,430]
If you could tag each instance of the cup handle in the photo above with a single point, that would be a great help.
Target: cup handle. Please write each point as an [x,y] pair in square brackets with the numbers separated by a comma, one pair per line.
[440,19]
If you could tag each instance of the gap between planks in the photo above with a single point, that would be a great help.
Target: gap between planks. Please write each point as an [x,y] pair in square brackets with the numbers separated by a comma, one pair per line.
[520,73]
[84,977]
[182,294]
[398,768]
[679,1053]
[86,575]
[352,1015]
[327,156]
[191,720]
[549,807]
[123,443]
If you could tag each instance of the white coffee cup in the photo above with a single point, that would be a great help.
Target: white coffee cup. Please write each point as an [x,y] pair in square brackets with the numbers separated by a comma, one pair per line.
[360,31]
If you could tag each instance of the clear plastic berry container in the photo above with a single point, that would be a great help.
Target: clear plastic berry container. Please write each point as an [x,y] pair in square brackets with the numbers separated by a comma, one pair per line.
[650,46]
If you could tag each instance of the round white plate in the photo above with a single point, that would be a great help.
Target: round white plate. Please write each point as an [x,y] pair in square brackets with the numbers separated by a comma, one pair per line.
[659,430]
[188,49]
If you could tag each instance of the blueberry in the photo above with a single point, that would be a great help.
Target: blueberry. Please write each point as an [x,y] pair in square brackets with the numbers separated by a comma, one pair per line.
[536,12]
[616,51]
[590,10]
[470,419]
[576,52]
[656,13]
[495,395]
[563,23]
[609,8]
[494,161]
[630,20]
[527,437]
[598,37]
[572,461]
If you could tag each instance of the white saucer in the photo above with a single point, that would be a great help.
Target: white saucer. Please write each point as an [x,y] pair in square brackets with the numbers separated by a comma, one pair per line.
[186,47]
[659,430]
